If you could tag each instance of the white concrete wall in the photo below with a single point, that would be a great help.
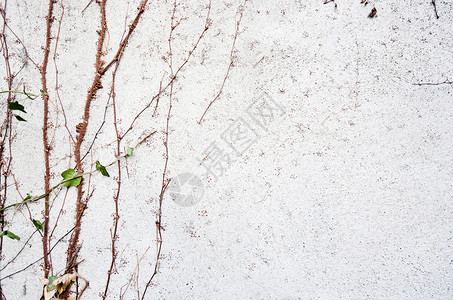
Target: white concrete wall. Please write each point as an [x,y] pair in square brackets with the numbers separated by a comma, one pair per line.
[345,192]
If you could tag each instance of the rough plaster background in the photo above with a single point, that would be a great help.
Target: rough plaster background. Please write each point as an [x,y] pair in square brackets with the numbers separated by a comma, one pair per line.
[347,194]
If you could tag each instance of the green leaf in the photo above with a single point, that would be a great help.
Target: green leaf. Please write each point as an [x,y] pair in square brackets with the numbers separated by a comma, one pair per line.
[42,92]
[16,106]
[12,235]
[70,173]
[102,169]
[2,233]
[37,224]
[20,118]
[50,286]
[130,151]
[28,197]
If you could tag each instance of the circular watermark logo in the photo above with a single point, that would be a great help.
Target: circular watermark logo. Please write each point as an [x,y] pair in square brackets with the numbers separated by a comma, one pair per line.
[186,189]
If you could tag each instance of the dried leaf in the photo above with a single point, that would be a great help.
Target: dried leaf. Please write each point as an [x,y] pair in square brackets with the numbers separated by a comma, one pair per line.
[64,281]
[49,294]
[50,290]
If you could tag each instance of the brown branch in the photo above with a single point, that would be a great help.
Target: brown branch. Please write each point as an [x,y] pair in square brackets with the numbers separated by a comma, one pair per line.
[18,39]
[165,180]
[136,270]
[91,1]
[164,172]
[173,78]
[82,130]
[57,87]
[141,10]
[117,194]
[82,127]
[123,44]
[158,96]
[230,65]
[45,97]
[106,105]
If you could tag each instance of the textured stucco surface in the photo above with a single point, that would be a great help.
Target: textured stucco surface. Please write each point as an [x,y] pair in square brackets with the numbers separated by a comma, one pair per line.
[346,193]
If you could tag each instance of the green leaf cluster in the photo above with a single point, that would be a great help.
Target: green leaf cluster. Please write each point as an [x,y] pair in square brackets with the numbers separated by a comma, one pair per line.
[17,106]
[9,234]
[68,174]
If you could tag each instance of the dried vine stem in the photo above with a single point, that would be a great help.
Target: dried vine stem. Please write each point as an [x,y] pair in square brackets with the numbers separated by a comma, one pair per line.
[117,59]
[38,260]
[5,131]
[164,172]
[45,97]
[82,127]
[136,271]
[165,180]
[123,44]
[163,89]
[57,87]
[230,65]
[36,198]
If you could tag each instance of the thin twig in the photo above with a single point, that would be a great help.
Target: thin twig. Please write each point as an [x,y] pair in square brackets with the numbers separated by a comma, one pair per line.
[173,78]
[117,59]
[433,2]
[231,63]
[38,260]
[164,172]
[165,180]
[20,251]
[34,199]
[434,83]
[5,130]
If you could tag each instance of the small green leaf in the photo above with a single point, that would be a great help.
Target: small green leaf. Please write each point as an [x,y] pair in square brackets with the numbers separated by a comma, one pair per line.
[70,173]
[42,92]
[28,197]
[20,118]
[37,224]
[102,169]
[12,235]
[16,106]
[2,233]
[50,286]
[130,151]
